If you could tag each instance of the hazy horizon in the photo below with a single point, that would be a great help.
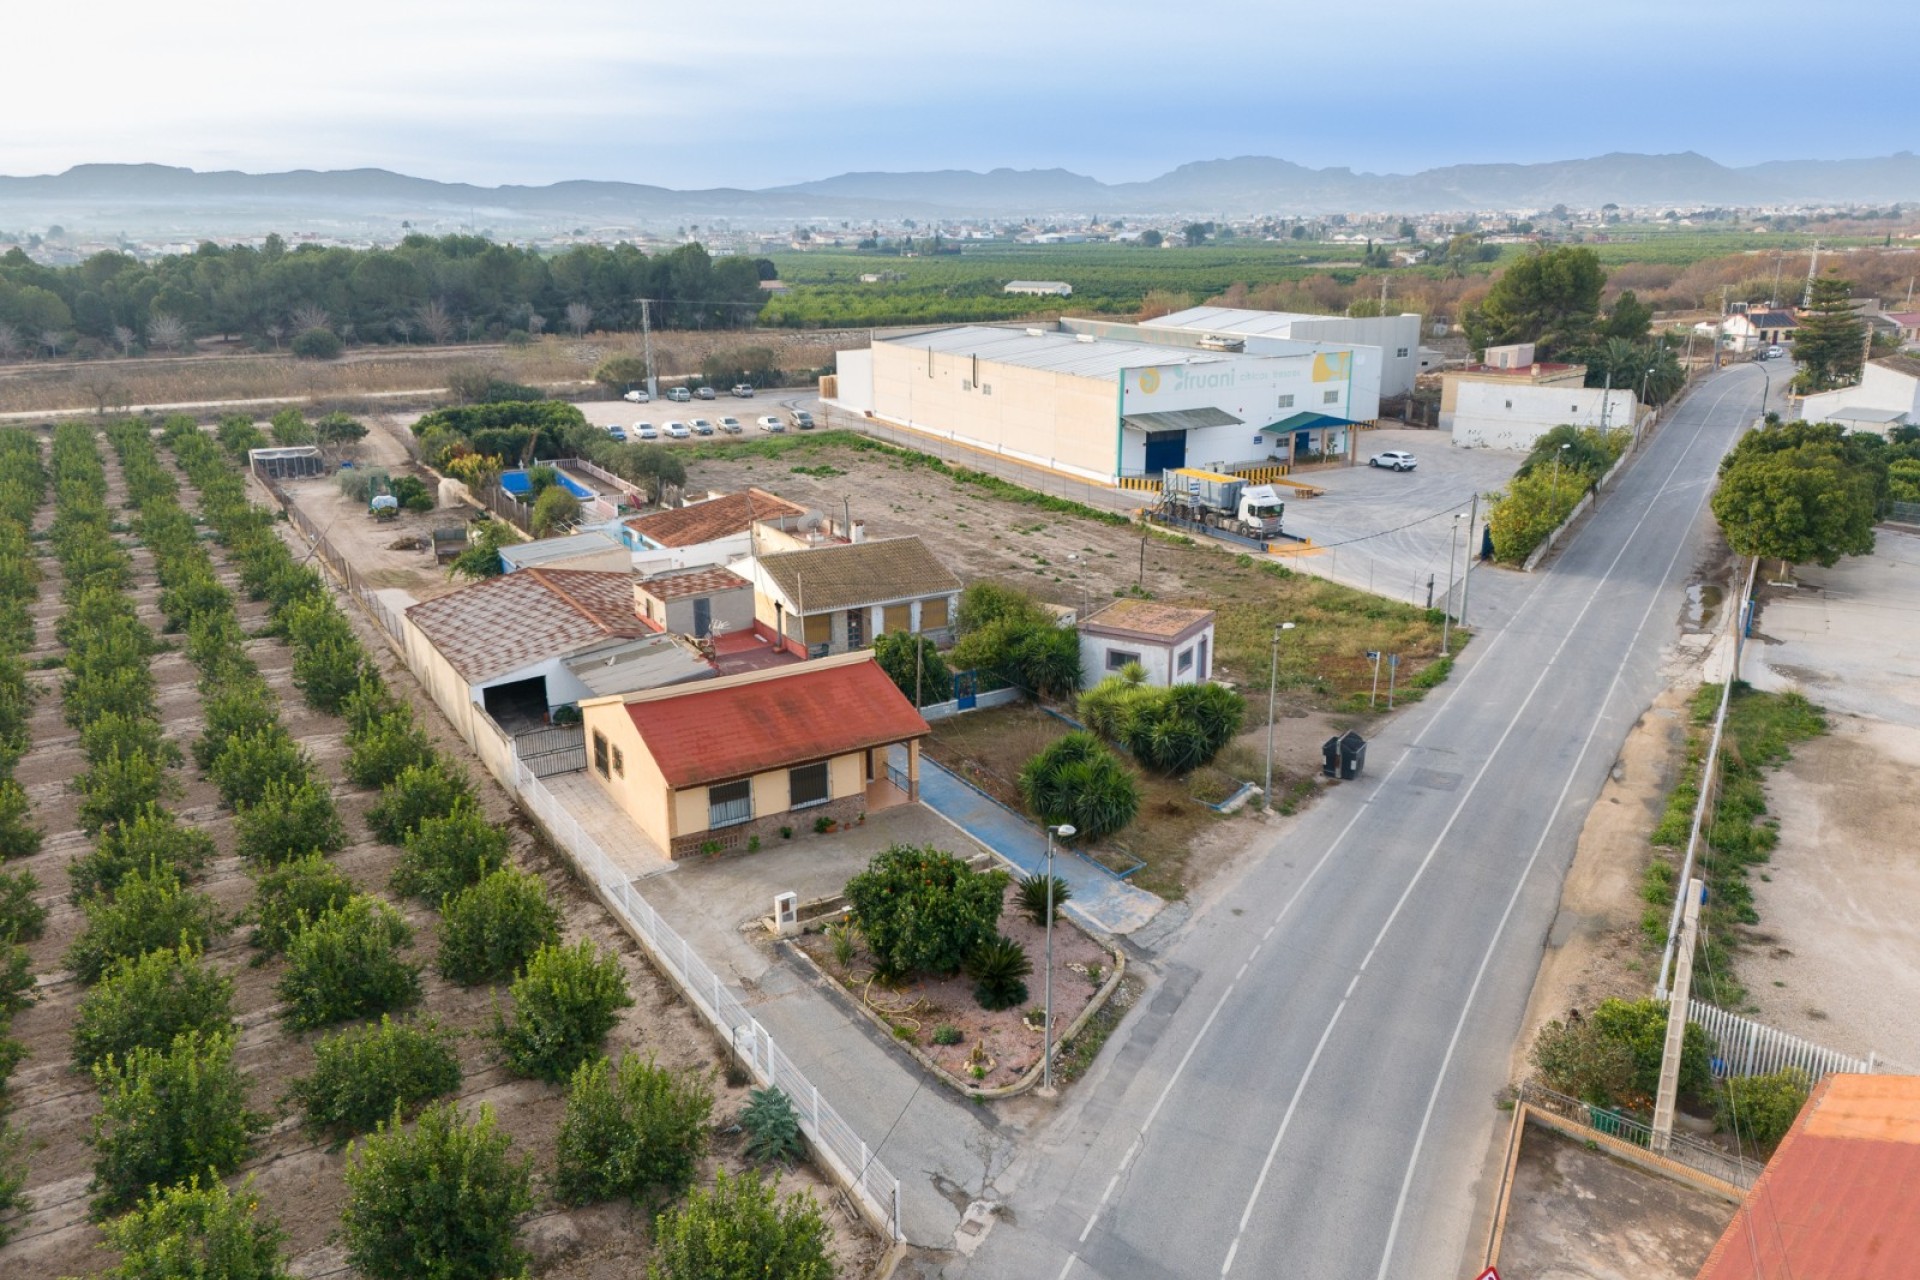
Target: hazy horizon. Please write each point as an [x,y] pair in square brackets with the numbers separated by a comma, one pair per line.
[651,94]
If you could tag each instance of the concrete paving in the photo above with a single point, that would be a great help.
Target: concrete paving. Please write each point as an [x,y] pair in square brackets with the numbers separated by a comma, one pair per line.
[1100,899]
[608,825]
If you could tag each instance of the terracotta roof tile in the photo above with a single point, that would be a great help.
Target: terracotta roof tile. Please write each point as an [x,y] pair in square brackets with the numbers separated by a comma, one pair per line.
[716,518]
[517,619]
[849,575]
[690,582]
[808,712]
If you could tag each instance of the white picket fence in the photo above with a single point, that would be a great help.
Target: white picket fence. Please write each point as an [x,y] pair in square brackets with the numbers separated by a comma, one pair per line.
[1744,1047]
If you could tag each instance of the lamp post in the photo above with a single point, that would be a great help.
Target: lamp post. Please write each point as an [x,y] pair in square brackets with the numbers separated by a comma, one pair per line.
[1556,466]
[1273,688]
[1766,389]
[1446,601]
[1066,831]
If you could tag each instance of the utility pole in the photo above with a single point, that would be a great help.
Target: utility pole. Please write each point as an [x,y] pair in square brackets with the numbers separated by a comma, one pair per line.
[1813,264]
[1466,567]
[1446,603]
[646,338]
[1677,1019]
[1273,689]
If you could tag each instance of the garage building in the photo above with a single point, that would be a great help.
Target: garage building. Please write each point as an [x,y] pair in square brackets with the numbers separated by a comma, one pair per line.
[1106,402]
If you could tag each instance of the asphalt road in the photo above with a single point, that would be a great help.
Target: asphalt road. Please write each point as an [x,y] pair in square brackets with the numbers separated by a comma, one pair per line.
[1308,1091]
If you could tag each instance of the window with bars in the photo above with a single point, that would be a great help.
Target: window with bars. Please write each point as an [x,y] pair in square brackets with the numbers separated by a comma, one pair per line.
[730,804]
[807,785]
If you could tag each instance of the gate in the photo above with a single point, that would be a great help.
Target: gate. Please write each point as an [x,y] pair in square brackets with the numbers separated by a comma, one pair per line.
[556,749]
[1166,451]
[966,689]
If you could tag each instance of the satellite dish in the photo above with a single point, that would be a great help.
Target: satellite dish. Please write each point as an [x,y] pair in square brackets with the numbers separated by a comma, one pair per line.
[813,521]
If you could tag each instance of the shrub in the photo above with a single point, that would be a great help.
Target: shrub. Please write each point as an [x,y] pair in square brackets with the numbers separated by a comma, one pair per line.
[419,791]
[13,1164]
[16,993]
[447,854]
[741,1231]
[326,672]
[946,1034]
[316,344]
[441,1199]
[197,1231]
[922,910]
[119,787]
[772,1128]
[490,930]
[369,701]
[125,733]
[1642,1026]
[251,761]
[166,1115]
[413,493]
[564,1003]
[633,1130]
[19,838]
[1033,896]
[1760,1109]
[346,964]
[914,665]
[369,1074]
[1577,1059]
[145,1001]
[150,910]
[1077,780]
[999,968]
[291,819]
[388,745]
[21,918]
[232,712]
[554,512]
[152,840]
[292,893]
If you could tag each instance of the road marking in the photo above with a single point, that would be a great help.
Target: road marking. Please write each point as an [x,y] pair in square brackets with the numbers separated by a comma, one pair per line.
[1493,941]
[1480,775]
[1482,661]
[1243,971]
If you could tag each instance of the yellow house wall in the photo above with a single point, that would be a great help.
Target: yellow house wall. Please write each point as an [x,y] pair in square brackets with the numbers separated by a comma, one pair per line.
[642,790]
[846,776]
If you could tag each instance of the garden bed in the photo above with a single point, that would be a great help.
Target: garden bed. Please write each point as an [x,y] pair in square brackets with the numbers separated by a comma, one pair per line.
[987,1051]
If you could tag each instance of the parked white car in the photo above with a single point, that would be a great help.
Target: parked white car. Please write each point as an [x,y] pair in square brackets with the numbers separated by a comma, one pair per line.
[771,423]
[679,395]
[645,431]
[730,425]
[678,430]
[704,393]
[702,426]
[636,396]
[1393,460]
[743,390]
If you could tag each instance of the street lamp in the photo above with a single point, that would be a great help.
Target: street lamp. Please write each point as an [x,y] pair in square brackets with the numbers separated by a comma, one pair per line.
[1273,687]
[1446,601]
[1556,468]
[1066,831]
[1766,389]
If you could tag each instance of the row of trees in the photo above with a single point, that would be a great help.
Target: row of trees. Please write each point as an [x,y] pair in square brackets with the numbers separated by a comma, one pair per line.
[426,289]
[1564,465]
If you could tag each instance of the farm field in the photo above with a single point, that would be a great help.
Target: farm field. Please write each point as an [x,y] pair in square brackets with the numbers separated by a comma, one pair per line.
[255,688]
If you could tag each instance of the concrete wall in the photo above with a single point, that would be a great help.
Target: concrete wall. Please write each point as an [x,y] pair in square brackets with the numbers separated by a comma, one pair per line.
[1396,337]
[1160,661]
[853,379]
[732,611]
[1257,391]
[1492,416]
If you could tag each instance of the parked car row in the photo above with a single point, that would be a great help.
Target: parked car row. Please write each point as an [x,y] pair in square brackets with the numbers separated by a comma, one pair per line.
[681,395]
[800,418]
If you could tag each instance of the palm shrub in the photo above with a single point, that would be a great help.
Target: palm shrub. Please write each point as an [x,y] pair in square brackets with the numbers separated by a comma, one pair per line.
[491,929]
[151,840]
[233,711]
[147,1000]
[1033,896]
[922,910]
[447,854]
[254,759]
[21,917]
[368,1074]
[772,1128]
[419,791]
[166,1115]
[120,787]
[1079,781]
[999,968]
[346,964]
[292,893]
[19,838]
[441,1199]
[149,910]
[739,1230]
[634,1130]
[197,1230]
[564,1003]
[385,746]
[291,819]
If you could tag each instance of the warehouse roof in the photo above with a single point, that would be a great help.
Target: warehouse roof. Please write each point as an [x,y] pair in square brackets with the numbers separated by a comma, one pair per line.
[715,518]
[777,719]
[1236,320]
[849,575]
[1052,350]
[512,621]
[1840,1200]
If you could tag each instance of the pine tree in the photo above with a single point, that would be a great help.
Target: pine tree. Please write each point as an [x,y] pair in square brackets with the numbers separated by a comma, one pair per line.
[1831,342]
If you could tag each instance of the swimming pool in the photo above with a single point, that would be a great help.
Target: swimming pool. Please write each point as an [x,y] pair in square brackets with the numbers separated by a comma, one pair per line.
[516,483]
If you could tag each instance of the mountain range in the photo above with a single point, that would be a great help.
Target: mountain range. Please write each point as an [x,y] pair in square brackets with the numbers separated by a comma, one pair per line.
[147,199]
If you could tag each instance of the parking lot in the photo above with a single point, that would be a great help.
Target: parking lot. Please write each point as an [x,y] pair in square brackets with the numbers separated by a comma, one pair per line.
[1389,532]
[772,401]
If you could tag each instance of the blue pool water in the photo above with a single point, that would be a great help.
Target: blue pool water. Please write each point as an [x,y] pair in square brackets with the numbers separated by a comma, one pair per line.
[515,483]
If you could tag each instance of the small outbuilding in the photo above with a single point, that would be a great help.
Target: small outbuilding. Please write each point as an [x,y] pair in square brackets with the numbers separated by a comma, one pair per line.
[695,602]
[592,551]
[1173,645]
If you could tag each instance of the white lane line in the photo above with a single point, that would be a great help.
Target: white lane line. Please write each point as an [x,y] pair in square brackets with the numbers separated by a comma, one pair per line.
[1293,1104]
[1479,776]
[1453,694]
[1493,942]
[1243,971]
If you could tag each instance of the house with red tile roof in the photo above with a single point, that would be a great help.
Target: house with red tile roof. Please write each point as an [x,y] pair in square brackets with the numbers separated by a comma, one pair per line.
[716,531]
[714,765]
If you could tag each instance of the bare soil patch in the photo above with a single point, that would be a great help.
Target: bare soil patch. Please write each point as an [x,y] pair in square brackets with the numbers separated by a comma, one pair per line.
[991,1048]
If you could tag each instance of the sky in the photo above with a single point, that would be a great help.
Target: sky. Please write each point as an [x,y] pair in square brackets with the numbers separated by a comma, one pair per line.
[759,93]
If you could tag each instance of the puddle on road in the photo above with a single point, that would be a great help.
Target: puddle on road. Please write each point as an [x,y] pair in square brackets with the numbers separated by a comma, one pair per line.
[1703,605]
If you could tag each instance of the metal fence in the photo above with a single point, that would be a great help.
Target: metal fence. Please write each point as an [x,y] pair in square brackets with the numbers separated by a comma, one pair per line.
[1692,1153]
[1743,1047]
[552,750]
[1904,512]
[845,1155]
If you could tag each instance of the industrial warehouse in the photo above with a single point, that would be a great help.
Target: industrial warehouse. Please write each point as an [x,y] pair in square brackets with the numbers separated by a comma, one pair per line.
[1114,402]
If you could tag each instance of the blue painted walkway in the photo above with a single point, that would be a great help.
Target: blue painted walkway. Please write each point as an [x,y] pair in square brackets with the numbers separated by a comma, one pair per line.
[1100,898]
